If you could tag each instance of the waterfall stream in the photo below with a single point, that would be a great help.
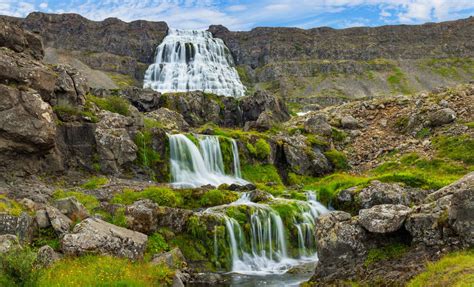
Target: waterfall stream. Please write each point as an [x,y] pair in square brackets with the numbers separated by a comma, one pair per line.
[193,166]
[193,61]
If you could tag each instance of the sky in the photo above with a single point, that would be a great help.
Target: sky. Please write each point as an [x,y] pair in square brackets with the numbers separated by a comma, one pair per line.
[247,14]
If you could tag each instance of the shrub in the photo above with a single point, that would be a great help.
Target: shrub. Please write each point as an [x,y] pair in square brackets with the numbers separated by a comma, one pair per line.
[17,267]
[455,269]
[156,244]
[338,159]
[94,270]
[95,182]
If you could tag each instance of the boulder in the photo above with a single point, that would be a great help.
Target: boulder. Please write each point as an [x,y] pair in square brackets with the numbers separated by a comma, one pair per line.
[442,117]
[173,218]
[22,226]
[97,236]
[461,214]
[340,243]
[261,101]
[71,87]
[46,257]
[383,218]
[144,100]
[318,124]
[42,219]
[170,120]
[60,222]
[8,242]
[114,144]
[142,216]
[259,195]
[72,208]
[174,259]
[382,193]
[349,122]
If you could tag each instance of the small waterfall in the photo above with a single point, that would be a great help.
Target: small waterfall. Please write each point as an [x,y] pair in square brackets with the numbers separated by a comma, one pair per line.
[263,249]
[193,167]
[193,61]
[235,155]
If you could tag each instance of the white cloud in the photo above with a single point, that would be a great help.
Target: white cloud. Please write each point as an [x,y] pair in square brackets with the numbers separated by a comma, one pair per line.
[236,8]
[43,5]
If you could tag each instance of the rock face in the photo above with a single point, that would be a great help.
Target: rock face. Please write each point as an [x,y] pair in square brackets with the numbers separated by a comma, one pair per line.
[383,218]
[171,120]
[22,226]
[96,236]
[142,216]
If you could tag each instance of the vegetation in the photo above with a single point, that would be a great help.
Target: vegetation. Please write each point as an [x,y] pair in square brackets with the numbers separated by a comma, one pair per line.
[121,80]
[95,183]
[260,150]
[90,202]
[163,196]
[46,236]
[217,197]
[17,267]
[391,251]
[456,148]
[114,104]
[397,81]
[261,173]
[65,110]
[94,270]
[455,269]
[10,206]
[338,159]
[156,244]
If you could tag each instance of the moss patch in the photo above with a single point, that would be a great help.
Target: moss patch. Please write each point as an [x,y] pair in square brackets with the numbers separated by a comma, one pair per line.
[391,251]
[114,104]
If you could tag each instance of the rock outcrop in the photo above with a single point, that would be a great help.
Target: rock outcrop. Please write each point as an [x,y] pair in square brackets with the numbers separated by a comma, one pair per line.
[383,218]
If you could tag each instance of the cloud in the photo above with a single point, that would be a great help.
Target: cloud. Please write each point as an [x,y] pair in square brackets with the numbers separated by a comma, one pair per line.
[236,8]
[43,5]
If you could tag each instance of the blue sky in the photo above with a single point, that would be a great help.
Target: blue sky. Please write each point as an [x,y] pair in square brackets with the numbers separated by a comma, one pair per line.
[246,14]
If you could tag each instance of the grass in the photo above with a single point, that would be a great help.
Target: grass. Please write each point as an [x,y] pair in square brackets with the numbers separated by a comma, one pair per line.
[260,150]
[90,202]
[217,197]
[95,183]
[69,110]
[114,104]
[121,80]
[459,148]
[163,196]
[10,206]
[338,159]
[397,81]
[93,270]
[156,244]
[46,236]
[395,250]
[261,173]
[17,267]
[455,269]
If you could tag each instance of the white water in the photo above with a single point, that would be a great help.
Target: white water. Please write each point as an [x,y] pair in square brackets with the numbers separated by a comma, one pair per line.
[193,167]
[193,61]
[264,251]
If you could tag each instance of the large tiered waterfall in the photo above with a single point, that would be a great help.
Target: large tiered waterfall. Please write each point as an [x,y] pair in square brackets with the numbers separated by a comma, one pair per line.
[193,61]
[263,248]
[197,165]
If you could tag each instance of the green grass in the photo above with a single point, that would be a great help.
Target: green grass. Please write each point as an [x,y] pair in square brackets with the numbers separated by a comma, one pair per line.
[10,206]
[397,81]
[121,80]
[338,135]
[90,202]
[114,104]
[455,269]
[156,244]
[163,196]
[17,267]
[46,236]
[338,159]
[104,271]
[260,150]
[261,173]
[391,251]
[217,197]
[95,183]
[459,148]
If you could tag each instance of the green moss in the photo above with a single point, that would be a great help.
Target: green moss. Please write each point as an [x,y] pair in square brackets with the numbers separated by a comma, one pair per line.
[150,123]
[10,206]
[449,67]
[316,141]
[338,135]
[455,269]
[470,125]
[161,195]
[423,133]
[95,183]
[261,173]
[94,270]
[114,104]
[338,159]
[227,155]
[391,251]
[244,77]
[121,80]
[116,218]
[90,202]
[456,147]
[216,197]
[69,110]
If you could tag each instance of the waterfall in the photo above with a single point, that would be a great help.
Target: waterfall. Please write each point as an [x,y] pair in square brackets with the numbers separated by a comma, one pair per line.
[235,155]
[263,249]
[193,61]
[193,167]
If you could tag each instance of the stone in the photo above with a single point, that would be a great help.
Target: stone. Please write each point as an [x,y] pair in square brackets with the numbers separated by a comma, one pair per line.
[173,218]
[179,279]
[382,193]
[318,124]
[20,41]
[442,117]
[349,122]
[71,87]
[42,219]
[174,259]
[259,195]
[8,242]
[144,100]
[142,216]
[46,256]
[72,208]
[22,226]
[461,214]
[170,120]
[99,237]
[384,218]
[60,222]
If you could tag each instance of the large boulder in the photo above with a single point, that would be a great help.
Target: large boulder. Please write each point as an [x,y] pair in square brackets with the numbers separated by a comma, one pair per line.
[144,100]
[253,106]
[318,124]
[60,222]
[8,242]
[114,144]
[22,226]
[142,216]
[173,218]
[442,117]
[382,193]
[97,236]
[383,218]
[19,40]
[340,241]
[71,87]
[46,256]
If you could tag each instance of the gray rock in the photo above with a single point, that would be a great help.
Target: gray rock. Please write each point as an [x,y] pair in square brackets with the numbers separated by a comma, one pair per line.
[46,256]
[382,193]
[22,226]
[383,218]
[461,213]
[144,100]
[349,122]
[259,195]
[179,279]
[42,219]
[173,218]
[170,120]
[72,208]
[174,259]
[142,216]
[96,236]
[442,117]
[71,87]
[8,242]
[318,124]
[60,222]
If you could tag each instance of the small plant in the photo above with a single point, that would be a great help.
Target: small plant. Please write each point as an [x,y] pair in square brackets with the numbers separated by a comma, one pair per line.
[338,135]
[156,244]
[95,183]
[114,104]
[423,133]
[261,150]
[17,267]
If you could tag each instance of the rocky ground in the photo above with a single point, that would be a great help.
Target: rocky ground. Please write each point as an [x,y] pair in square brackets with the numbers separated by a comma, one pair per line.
[85,170]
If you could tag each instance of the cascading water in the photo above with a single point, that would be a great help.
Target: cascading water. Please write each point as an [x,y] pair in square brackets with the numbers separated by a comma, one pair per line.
[263,250]
[193,167]
[193,61]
